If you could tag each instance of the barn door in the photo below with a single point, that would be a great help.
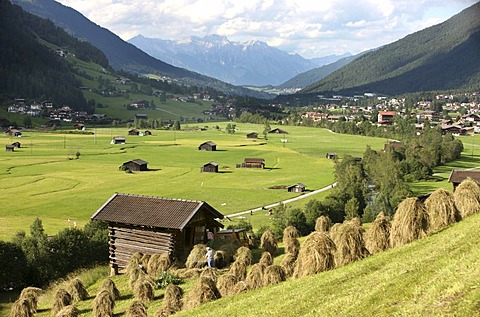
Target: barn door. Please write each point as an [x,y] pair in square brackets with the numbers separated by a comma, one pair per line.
[199,235]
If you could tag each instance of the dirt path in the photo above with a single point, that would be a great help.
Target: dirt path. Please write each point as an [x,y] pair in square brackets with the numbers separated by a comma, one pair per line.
[283,201]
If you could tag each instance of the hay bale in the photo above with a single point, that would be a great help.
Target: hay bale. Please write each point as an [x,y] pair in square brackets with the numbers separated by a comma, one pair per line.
[68,311]
[441,210]
[205,290]
[158,263]
[288,264]
[254,277]
[266,259]
[196,258]
[21,308]
[144,290]
[61,299]
[377,237]
[226,284]
[239,270]
[110,286]
[467,197]
[77,290]
[31,294]
[290,232]
[409,222]
[316,255]
[268,242]
[322,224]
[103,304]
[292,246]
[349,243]
[273,274]
[244,255]
[240,287]
[172,301]
[137,309]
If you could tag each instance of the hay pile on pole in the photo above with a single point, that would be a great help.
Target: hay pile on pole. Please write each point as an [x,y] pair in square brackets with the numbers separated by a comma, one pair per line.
[172,301]
[409,222]
[316,255]
[134,275]
[266,259]
[68,311]
[110,287]
[229,250]
[144,290]
[268,242]
[31,294]
[441,210]
[349,242]
[21,308]
[77,290]
[378,235]
[292,246]
[61,299]
[196,258]
[145,259]
[137,309]
[244,255]
[204,291]
[288,263]
[210,272]
[322,224]
[273,274]
[239,270]
[103,304]
[220,259]
[254,278]
[290,232]
[240,287]
[226,284]
[158,263]
[467,197]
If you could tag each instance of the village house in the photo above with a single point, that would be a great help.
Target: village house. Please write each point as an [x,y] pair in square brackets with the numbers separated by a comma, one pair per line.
[252,163]
[136,165]
[392,144]
[140,104]
[208,146]
[154,225]
[457,176]
[210,167]
[386,117]
[141,116]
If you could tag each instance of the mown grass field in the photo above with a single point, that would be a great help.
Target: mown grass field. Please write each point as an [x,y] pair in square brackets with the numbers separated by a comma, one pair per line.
[43,179]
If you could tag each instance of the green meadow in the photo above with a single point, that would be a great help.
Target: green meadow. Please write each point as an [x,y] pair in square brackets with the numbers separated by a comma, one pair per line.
[44,179]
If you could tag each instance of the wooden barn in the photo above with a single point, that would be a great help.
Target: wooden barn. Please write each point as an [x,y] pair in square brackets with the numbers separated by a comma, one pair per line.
[119,140]
[133,132]
[16,144]
[208,146]
[79,126]
[331,156]
[253,163]
[13,132]
[9,148]
[297,188]
[153,225]
[135,165]
[147,132]
[457,176]
[252,135]
[278,131]
[211,167]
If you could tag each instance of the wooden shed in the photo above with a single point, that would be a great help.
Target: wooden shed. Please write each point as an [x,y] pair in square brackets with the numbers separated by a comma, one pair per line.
[147,132]
[208,146]
[79,126]
[9,148]
[331,156]
[153,225]
[297,188]
[253,163]
[13,132]
[16,144]
[119,140]
[252,135]
[211,167]
[278,131]
[133,132]
[457,176]
[135,165]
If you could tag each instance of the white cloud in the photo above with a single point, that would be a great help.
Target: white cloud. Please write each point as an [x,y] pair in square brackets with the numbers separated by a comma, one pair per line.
[310,28]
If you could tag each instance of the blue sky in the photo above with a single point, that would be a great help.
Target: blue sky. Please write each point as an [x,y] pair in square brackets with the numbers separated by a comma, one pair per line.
[311,28]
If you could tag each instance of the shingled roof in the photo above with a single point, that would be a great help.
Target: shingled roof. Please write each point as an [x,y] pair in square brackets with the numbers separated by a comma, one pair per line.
[151,211]
[457,176]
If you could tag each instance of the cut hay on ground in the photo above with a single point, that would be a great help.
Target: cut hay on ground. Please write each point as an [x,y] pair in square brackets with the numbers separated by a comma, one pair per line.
[226,284]
[349,243]
[144,290]
[290,232]
[172,301]
[322,224]
[103,304]
[467,197]
[292,246]
[137,309]
[441,210]
[77,290]
[268,242]
[244,255]
[68,311]
[288,264]
[110,286]
[377,238]
[240,287]
[254,277]
[196,258]
[409,222]
[61,299]
[21,308]
[239,270]
[31,295]
[266,259]
[204,291]
[158,263]
[316,255]
[273,274]
[187,273]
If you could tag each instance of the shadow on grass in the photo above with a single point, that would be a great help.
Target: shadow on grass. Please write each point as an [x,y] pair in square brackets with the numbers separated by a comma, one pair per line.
[153,170]
[126,296]
[224,172]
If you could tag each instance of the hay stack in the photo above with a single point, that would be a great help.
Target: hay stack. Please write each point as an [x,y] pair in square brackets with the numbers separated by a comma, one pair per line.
[137,309]
[290,232]
[316,255]
[172,301]
[409,222]
[135,274]
[441,210]
[77,290]
[239,270]
[273,274]
[211,273]
[185,274]
[31,294]
[292,246]
[134,262]
[103,304]
[110,286]
[21,308]
[229,250]
[240,287]
[226,284]
[288,264]
[144,290]
[467,197]
[268,242]
[204,291]
[266,259]
[196,258]
[322,224]
[145,259]
[158,263]
[349,243]
[334,230]
[254,278]
[68,311]
[244,255]
[220,259]
[378,235]
[61,299]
